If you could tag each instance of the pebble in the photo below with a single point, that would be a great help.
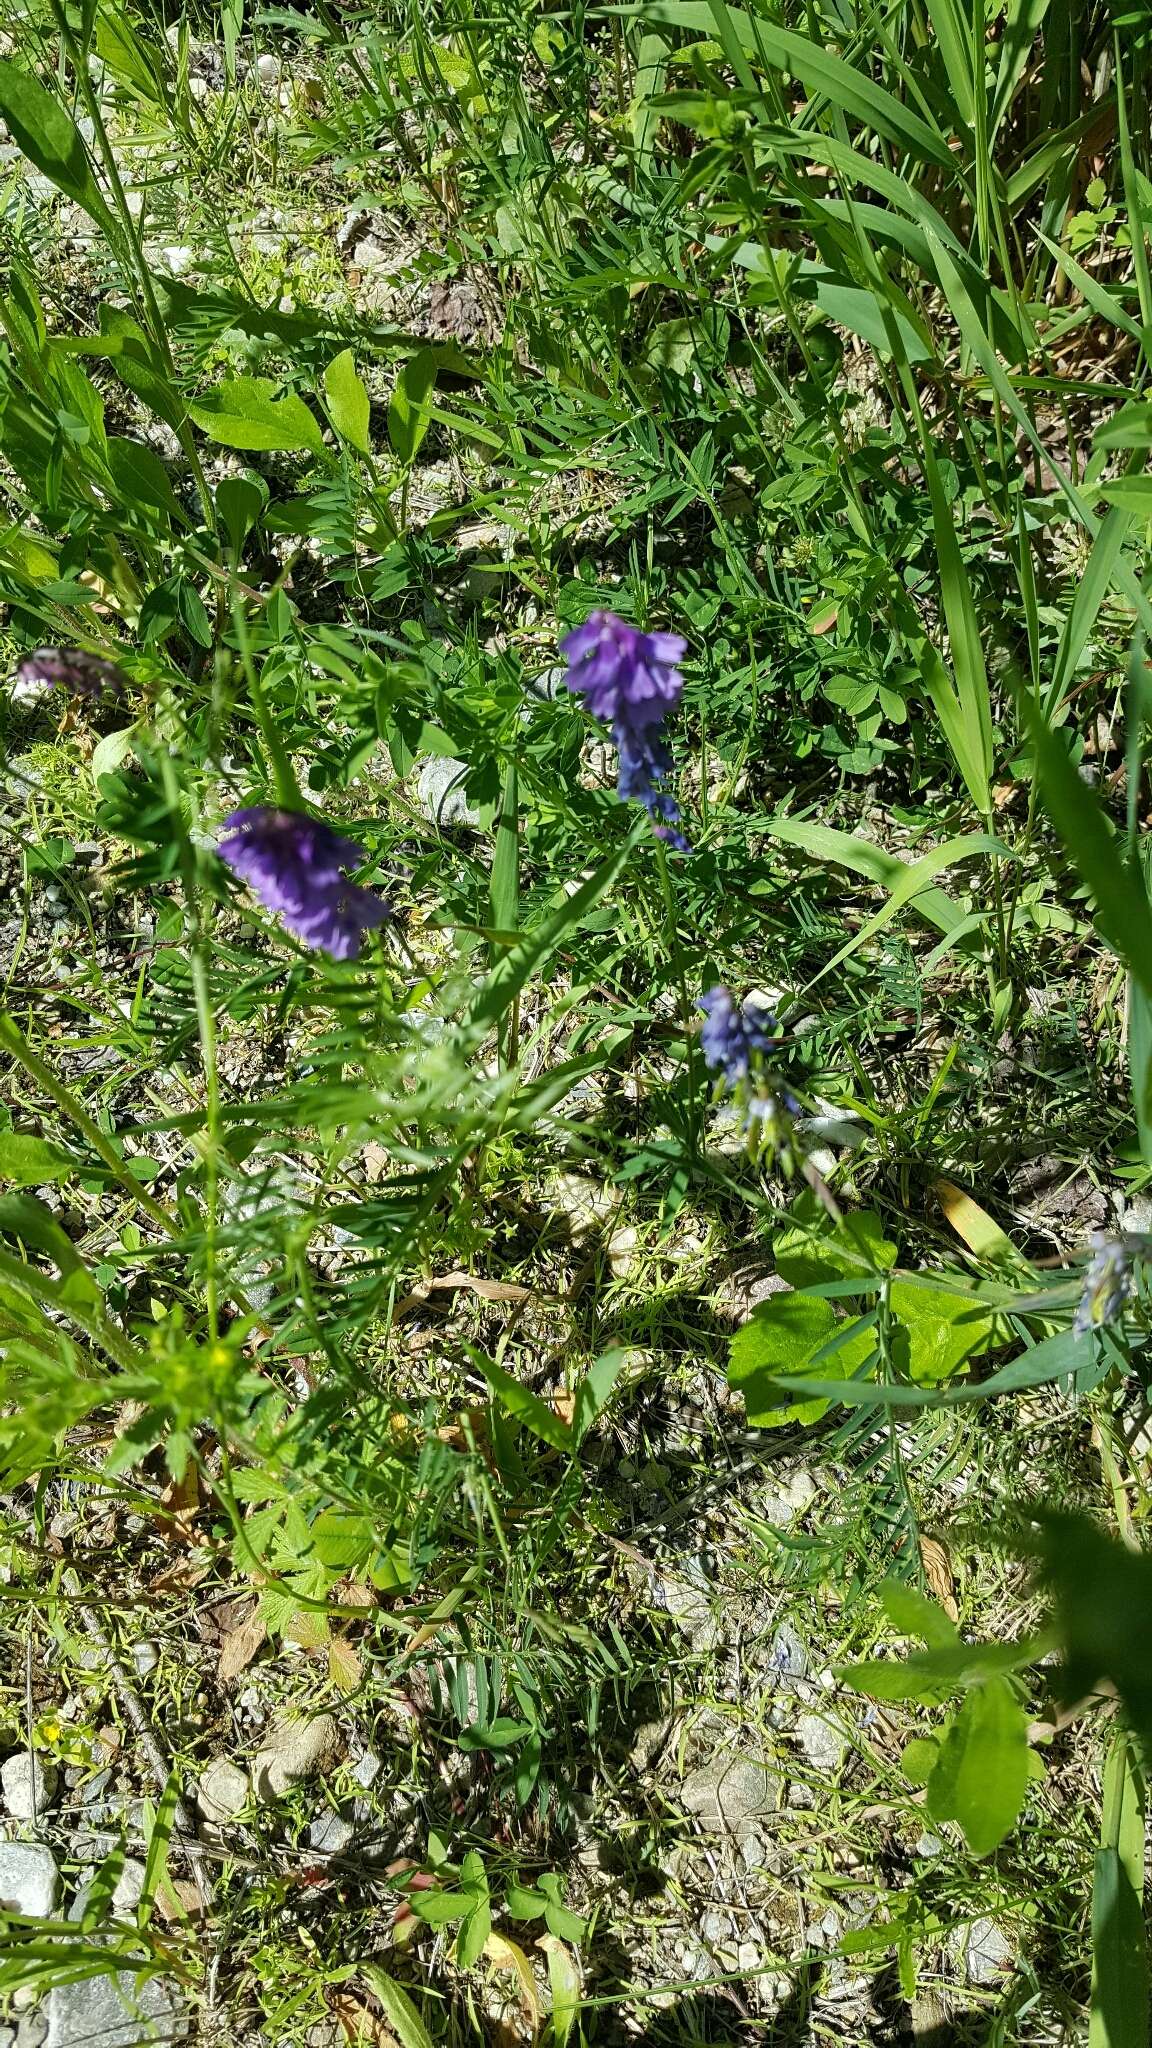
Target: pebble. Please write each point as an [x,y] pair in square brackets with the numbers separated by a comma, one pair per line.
[295,1750]
[441,794]
[29,1879]
[331,1834]
[31,2031]
[29,1785]
[822,1741]
[223,1791]
[367,1769]
[179,259]
[145,1656]
[129,1888]
[728,1793]
[987,1953]
[268,69]
[118,2011]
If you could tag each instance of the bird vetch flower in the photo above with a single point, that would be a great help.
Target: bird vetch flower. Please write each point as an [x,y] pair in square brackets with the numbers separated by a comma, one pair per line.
[295,864]
[69,668]
[630,681]
[734,1039]
[1107,1281]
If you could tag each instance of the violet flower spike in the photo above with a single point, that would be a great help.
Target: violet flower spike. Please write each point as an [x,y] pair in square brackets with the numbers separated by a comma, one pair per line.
[732,1033]
[69,668]
[630,681]
[1107,1282]
[295,864]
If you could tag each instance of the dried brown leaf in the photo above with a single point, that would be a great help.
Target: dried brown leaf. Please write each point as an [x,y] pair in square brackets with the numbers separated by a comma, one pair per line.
[938,1573]
[240,1645]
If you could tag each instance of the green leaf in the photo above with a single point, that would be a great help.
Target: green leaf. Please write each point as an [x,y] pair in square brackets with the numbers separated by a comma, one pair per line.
[473,1934]
[50,139]
[30,1162]
[410,410]
[399,2011]
[595,1390]
[1102,1591]
[931,1676]
[564,1984]
[918,1758]
[812,1250]
[939,1330]
[239,501]
[349,406]
[787,1333]
[914,1615]
[244,412]
[525,1406]
[981,1775]
[1122,914]
[142,479]
[1119,2014]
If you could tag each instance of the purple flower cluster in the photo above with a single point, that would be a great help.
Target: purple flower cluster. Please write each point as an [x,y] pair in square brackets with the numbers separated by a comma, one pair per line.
[1107,1282]
[630,681]
[294,865]
[69,668]
[733,1033]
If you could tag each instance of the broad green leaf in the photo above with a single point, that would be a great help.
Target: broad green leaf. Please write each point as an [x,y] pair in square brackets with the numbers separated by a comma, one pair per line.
[411,406]
[939,1329]
[141,478]
[399,2010]
[918,1758]
[474,1932]
[811,1250]
[981,1775]
[787,1333]
[50,139]
[239,501]
[29,1162]
[936,1674]
[244,412]
[564,1984]
[1102,1592]
[651,63]
[349,406]
[913,1614]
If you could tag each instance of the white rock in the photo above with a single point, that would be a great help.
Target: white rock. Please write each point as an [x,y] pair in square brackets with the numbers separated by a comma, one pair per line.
[268,70]
[145,1656]
[29,1879]
[295,1750]
[330,1833]
[987,1953]
[29,1785]
[823,1741]
[441,794]
[179,258]
[129,1888]
[623,1246]
[223,1791]
[728,1793]
[117,2011]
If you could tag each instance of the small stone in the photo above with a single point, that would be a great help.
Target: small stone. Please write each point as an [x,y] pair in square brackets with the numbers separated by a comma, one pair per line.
[441,794]
[331,1834]
[29,1879]
[179,259]
[823,1742]
[31,2031]
[748,1956]
[929,1845]
[268,70]
[728,1793]
[788,1658]
[367,1769]
[145,1656]
[119,2011]
[223,1791]
[129,1888]
[29,1785]
[987,1953]
[295,1750]
[623,1248]
[715,1927]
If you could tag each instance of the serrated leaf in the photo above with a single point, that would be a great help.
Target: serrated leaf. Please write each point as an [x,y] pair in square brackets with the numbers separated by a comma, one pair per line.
[981,1775]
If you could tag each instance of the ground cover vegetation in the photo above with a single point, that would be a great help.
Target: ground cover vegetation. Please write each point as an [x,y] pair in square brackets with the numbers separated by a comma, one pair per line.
[577,1029]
